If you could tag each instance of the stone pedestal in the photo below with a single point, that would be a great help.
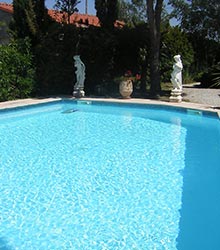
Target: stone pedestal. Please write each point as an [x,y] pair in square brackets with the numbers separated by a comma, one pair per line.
[78,93]
[176,95]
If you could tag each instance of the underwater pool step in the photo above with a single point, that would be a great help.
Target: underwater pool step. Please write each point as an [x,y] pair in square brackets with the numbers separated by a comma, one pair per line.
[194,112]
[84,102]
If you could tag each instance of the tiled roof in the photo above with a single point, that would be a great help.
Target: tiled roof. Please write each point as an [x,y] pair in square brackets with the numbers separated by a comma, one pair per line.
[76,18]
[80,20]
[6,7]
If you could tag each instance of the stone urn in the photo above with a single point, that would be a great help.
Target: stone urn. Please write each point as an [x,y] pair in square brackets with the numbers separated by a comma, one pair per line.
[126,88]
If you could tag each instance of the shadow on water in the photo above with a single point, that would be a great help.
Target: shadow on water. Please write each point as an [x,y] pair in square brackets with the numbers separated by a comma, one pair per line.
[200,213]
[4,244]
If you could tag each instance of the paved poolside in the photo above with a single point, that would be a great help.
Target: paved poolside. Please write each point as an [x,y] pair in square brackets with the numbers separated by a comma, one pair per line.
[202,95]
[33,101]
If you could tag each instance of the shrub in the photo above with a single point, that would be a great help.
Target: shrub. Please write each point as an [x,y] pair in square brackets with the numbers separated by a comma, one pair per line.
[54,59]
[175,42]
[16,70]
[211,79]
[216,76]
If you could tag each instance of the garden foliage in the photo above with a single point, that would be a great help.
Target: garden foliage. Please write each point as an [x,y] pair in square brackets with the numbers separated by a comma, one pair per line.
[67,8]
[107,12]
[30,19]
[200,21]
[106,51]
[175,42]
[54,60]
[107,56]
[17,74]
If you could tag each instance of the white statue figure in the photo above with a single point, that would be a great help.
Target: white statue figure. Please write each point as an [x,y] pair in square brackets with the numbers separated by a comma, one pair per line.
[80,77]
[176,75]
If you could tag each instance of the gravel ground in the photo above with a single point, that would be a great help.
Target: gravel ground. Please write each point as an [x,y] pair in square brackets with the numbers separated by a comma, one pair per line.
[203,96]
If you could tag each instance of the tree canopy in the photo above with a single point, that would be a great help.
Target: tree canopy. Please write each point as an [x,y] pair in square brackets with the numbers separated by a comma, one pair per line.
[132,12]
[68,7]
[107,12]
[200,16]
[29,18]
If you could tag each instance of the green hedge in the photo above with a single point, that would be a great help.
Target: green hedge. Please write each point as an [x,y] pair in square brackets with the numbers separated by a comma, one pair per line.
[17,73]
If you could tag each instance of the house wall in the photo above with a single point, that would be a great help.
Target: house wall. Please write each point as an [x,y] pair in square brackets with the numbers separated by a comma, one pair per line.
[5,19]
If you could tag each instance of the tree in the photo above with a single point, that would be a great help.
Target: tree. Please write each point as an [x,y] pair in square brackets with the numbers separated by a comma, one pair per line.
[154,10]
[200,16]
[68,7]
[29,19]
[132,12]
[20,24]
[107,12]
[200,20]
[174,41]
[41,14]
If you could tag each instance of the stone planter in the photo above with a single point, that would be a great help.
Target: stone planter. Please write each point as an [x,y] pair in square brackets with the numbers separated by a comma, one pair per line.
[126,88]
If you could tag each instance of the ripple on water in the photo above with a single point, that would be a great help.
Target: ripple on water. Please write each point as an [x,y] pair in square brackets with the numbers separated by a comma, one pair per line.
[90,181]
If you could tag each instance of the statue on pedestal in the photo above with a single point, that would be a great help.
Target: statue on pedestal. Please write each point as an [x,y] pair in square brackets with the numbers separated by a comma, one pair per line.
[176,76]
[80,77]
[176,79]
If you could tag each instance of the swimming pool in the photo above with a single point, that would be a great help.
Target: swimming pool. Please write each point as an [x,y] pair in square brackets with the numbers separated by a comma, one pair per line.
[89,175]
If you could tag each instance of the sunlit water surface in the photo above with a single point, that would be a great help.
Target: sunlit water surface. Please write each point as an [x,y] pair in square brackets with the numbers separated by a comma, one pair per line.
[78,176]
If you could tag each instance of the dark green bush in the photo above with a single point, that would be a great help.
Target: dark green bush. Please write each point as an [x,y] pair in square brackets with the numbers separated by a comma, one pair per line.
[55,64]
[54,60]
[98,50]
[175,42]
[216,76]
[211,78]
[16,71]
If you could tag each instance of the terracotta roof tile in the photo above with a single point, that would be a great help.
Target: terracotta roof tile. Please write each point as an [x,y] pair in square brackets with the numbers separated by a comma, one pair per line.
[80,20]
[6,7]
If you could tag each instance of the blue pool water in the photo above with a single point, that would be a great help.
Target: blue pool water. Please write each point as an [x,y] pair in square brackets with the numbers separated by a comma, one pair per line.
[76,175]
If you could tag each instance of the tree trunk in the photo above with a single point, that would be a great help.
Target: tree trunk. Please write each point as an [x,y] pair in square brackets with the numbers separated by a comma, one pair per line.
[143,76]
[154,19]
[155,87]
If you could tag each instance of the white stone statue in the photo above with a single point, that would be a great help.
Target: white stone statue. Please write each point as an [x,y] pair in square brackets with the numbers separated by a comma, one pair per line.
[80,77]
[176,75]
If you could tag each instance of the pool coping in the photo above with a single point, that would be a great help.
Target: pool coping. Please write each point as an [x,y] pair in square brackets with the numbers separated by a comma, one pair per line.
[35,101]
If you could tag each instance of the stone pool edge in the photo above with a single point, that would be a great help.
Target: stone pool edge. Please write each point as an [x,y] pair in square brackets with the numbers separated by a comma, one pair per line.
[35,101]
